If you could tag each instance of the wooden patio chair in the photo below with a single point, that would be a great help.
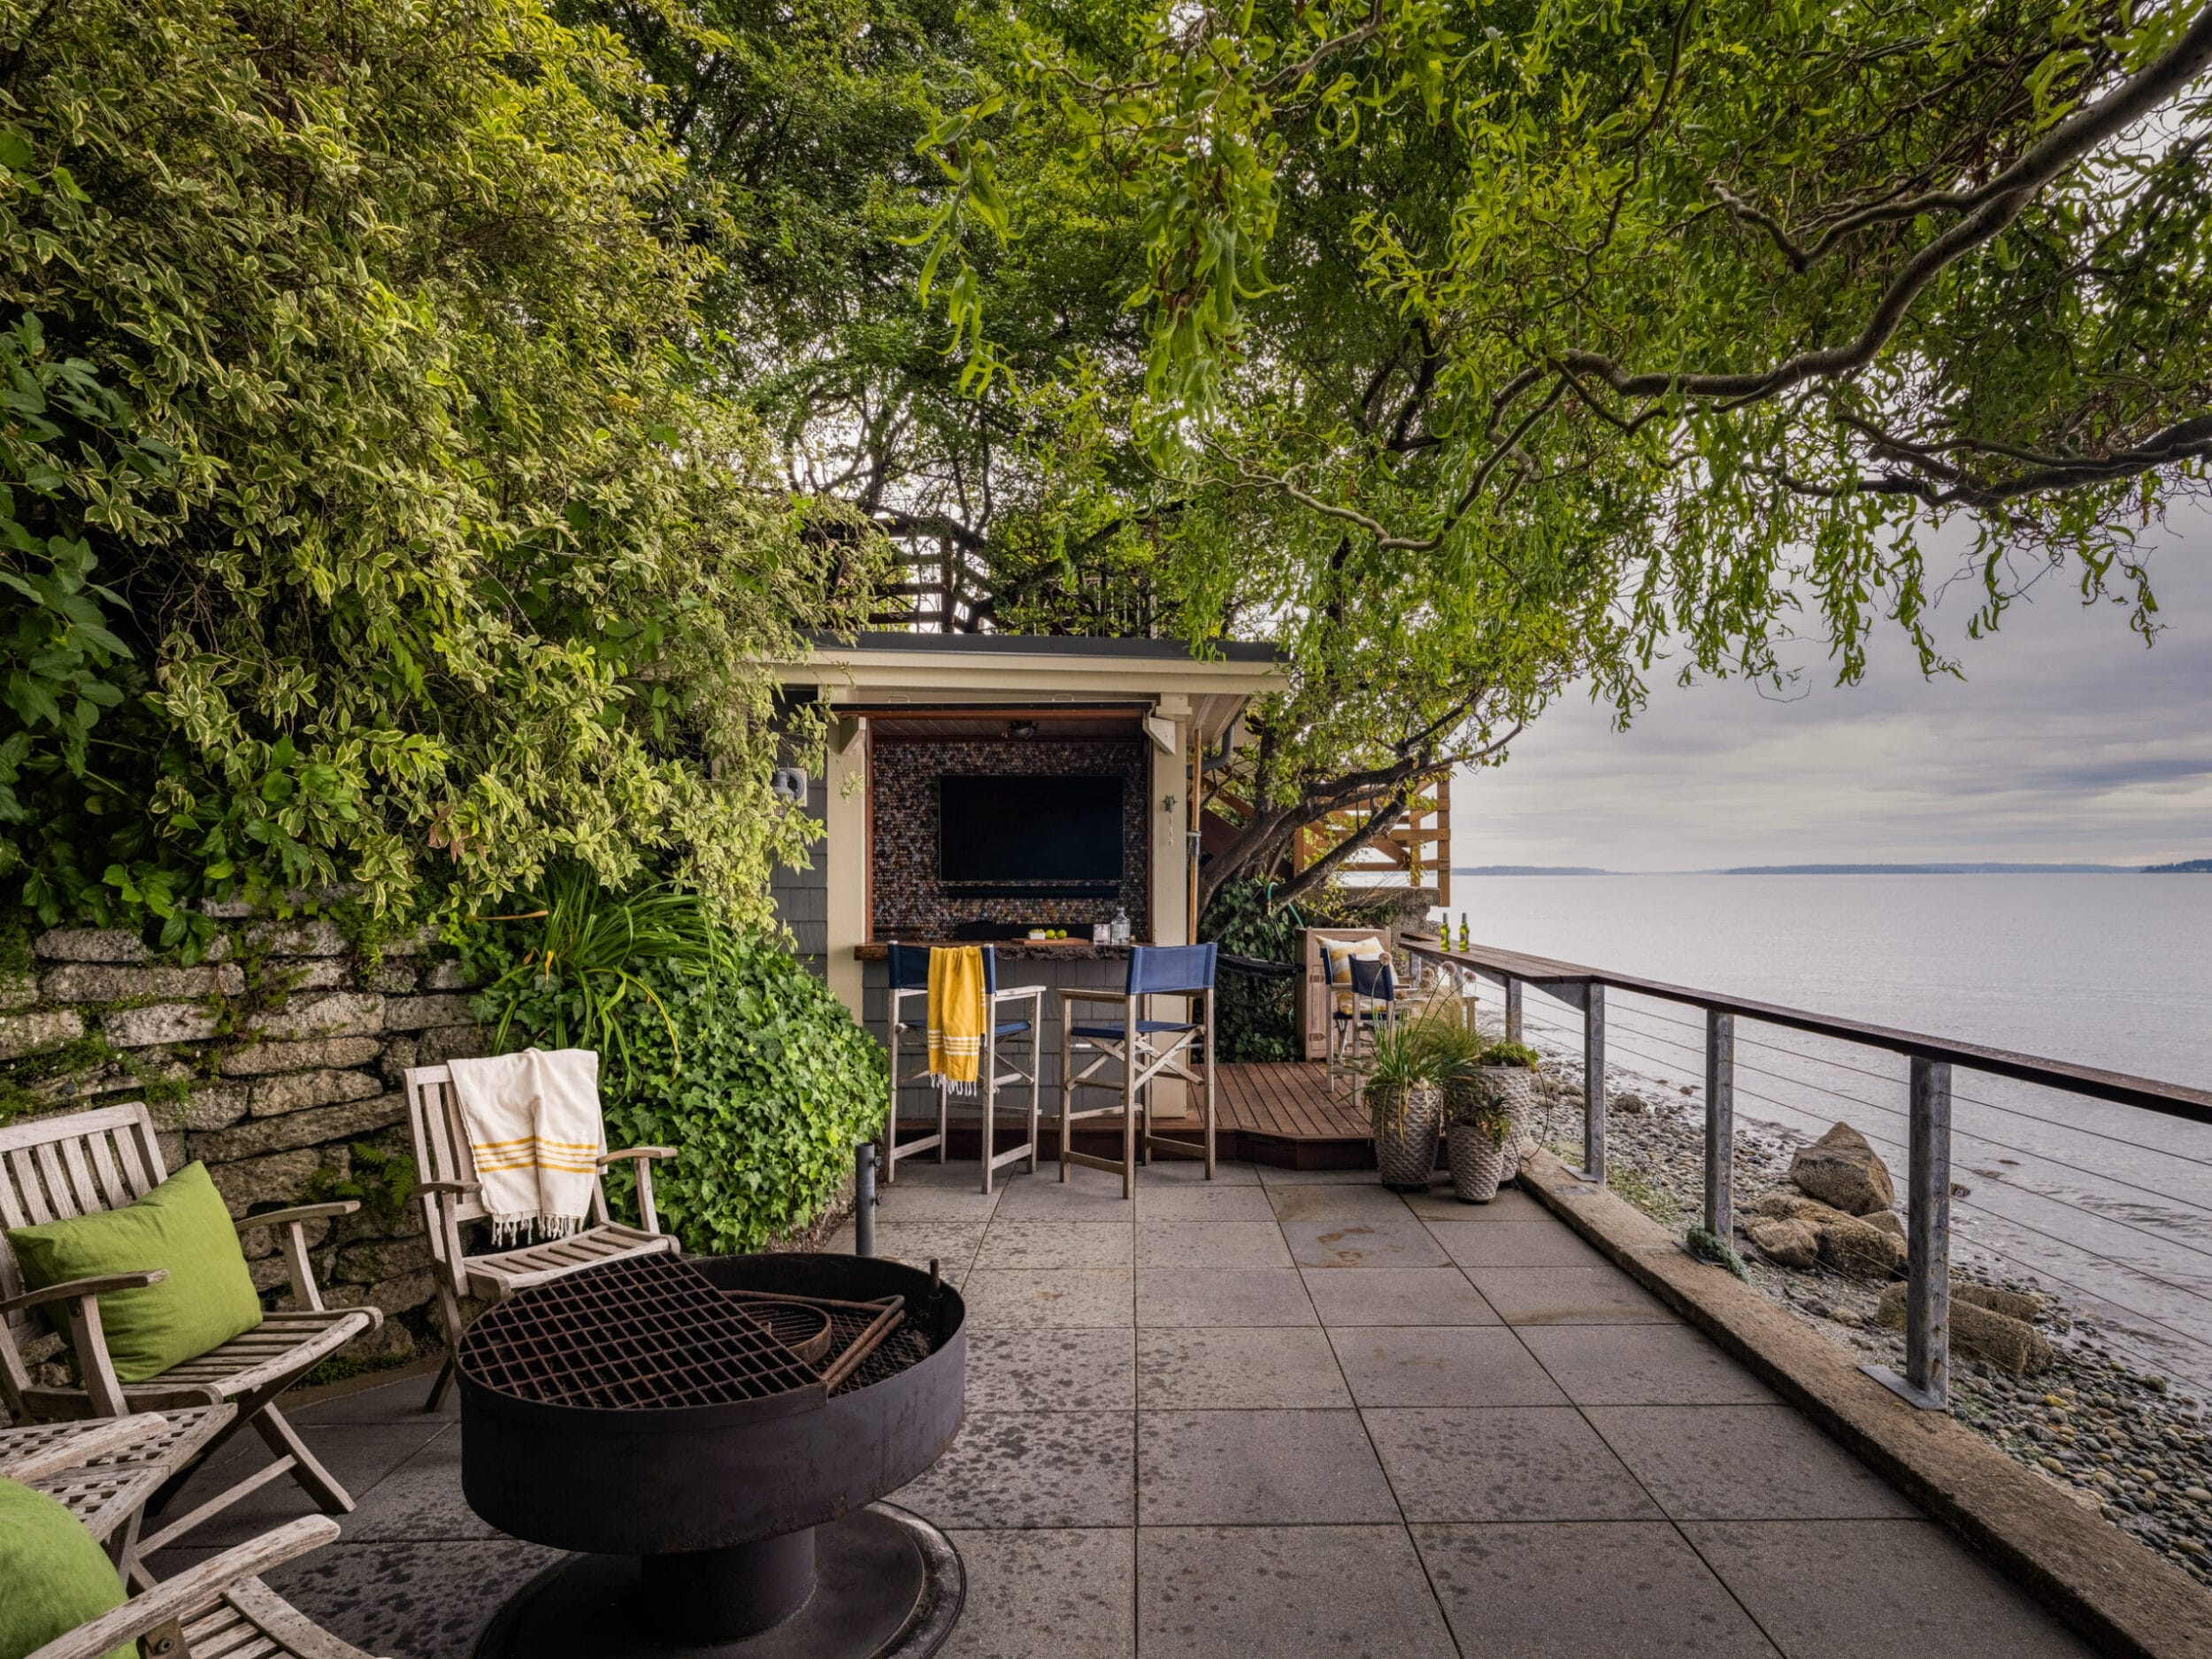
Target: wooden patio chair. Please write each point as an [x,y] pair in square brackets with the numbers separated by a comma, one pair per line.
[1142,1048]
[452,1197]
[105,1470]
[79,1163]
[218,1607]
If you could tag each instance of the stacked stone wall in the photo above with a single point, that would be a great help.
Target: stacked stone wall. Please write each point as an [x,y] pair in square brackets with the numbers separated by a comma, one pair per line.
[277,1062]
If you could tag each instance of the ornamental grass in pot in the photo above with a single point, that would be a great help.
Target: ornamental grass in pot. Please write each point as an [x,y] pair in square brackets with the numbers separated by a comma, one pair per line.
[1404,1105]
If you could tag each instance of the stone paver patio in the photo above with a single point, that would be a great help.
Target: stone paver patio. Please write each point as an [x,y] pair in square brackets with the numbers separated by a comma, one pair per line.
[1285,1415]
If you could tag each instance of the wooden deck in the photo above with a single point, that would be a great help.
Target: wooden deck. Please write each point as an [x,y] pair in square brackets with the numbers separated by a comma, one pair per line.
[1282,1113]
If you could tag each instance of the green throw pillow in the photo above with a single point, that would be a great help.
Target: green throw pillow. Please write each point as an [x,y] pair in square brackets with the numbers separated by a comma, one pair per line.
[182,1226]
[57,1577]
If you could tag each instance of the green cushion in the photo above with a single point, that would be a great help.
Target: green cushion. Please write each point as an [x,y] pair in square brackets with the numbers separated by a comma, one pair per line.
[182,1226]
[57,1577]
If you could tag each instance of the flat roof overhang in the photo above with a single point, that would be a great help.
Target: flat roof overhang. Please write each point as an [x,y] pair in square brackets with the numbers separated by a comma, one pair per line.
[879,673]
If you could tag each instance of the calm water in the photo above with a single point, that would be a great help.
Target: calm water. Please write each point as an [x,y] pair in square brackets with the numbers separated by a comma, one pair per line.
[2110,1206]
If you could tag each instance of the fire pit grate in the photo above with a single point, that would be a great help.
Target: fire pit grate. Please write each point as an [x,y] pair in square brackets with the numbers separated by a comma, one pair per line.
[651,1333]
[656,1333]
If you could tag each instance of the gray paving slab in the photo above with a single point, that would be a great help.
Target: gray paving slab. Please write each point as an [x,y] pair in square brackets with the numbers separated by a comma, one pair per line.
[1820,1586]
[360,1455]
[1027,1299]
[1258,1467]
[1513,1244]
[1192,1171]
[1336,1202]
[1442,1365]
[1641,1365]
[1742,1462]
[420,1500]
[1589,1590]
[1190,1201]
[1085,1195]
[1015,1243]
[1236,1369]
[1568,1295]
[383,1402]
[1397,1295]
[1272,1177]
[1204,1247]
[1438,1204]
[916,1197]
[1375,1241]
[1021,1468]
[952,1244]
[409,1600]
[1504,1463]
[1052,1371]
[1227,1296]
[1285,1593]
[1069,1592]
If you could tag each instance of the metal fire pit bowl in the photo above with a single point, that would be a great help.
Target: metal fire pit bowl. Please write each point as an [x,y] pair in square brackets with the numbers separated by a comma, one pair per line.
[710,1435]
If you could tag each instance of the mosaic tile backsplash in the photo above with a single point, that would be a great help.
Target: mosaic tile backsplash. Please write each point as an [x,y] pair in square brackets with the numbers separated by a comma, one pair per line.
[908,900]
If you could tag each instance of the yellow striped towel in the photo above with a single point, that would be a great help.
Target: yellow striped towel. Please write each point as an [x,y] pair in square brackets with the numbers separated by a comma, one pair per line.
[955,1016]
[535,1135]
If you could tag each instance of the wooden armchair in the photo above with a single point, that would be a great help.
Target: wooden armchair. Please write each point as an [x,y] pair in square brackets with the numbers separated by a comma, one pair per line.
[79,1164]
[220,1606]
[452,1197]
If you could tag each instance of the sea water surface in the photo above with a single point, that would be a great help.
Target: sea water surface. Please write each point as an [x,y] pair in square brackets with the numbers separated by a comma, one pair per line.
[2110,1207]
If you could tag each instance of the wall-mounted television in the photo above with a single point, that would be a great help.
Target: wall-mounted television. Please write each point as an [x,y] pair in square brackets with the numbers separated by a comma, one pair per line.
[1004,836]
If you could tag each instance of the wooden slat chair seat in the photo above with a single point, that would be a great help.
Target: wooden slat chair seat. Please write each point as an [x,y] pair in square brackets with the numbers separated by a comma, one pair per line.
[105,1471]
[217,1609]
[80,1164]
[452,1198]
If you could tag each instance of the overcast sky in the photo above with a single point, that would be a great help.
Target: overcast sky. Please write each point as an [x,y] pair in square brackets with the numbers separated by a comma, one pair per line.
[2068,740]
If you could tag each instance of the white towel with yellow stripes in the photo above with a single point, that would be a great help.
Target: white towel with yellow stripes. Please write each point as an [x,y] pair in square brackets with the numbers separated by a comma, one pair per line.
[536,1135]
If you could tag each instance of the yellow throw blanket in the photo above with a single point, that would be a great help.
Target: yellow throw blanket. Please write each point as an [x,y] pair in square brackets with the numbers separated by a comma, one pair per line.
[955,1016]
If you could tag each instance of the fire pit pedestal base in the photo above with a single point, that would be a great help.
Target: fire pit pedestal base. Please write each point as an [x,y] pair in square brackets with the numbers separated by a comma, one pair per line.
[887,1585]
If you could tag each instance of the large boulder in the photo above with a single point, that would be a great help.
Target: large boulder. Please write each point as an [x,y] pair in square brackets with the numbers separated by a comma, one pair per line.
[1841,1169]
[1978,1332]
[1785,1241]
[1786,1206]
[1858,1249]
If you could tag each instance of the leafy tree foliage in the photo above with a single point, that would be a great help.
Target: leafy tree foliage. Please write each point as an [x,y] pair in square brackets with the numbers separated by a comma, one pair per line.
[366,513]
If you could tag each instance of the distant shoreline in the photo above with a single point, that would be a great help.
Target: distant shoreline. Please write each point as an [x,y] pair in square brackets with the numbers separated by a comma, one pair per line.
[2193,866]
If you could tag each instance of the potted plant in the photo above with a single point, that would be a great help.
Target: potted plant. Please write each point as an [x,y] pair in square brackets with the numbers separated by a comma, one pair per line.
[1403,1104]
[1476,1125]
[1509,1075]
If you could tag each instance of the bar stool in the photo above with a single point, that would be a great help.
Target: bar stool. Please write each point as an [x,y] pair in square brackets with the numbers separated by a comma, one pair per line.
[1145,1047]
[909,976]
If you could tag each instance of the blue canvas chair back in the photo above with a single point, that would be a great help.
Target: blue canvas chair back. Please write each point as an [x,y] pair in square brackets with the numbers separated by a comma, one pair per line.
[1373,978]
[1172,970]
[909,968]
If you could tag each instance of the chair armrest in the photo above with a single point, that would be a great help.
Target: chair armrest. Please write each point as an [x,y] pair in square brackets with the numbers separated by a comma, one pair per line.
[458,1189]
[191,1591]
[298,1212]
[71,1289]
[624,1153]
[643,1158]
[1076,994]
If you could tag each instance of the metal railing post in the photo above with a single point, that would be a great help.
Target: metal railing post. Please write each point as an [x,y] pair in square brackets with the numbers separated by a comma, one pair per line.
[865,1198]
[1512,1008]
[1928,1291]
[1927,1379]
[1594,1081]
[1720,1125]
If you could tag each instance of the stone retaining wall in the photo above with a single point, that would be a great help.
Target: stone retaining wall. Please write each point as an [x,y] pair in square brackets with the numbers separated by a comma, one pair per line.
[277,1063]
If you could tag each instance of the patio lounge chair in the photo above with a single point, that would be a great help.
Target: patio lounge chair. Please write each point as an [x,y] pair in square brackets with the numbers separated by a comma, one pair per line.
[217,1607]
[452,1197]
[80,1164]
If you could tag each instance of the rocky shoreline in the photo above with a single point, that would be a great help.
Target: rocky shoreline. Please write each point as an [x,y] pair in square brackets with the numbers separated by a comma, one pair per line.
[2113,1440]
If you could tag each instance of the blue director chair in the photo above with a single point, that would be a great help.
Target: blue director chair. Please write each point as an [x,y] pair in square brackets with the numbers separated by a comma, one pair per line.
[908,967]
[1145,1047]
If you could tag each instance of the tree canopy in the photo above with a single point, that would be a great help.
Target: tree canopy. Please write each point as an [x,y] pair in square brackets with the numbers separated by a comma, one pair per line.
[367,514]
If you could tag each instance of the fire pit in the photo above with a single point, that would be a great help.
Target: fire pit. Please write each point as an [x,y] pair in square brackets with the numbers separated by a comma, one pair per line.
[710,1434]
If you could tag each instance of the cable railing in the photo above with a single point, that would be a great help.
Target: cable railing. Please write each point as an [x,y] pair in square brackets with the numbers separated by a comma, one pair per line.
[1931,1063]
